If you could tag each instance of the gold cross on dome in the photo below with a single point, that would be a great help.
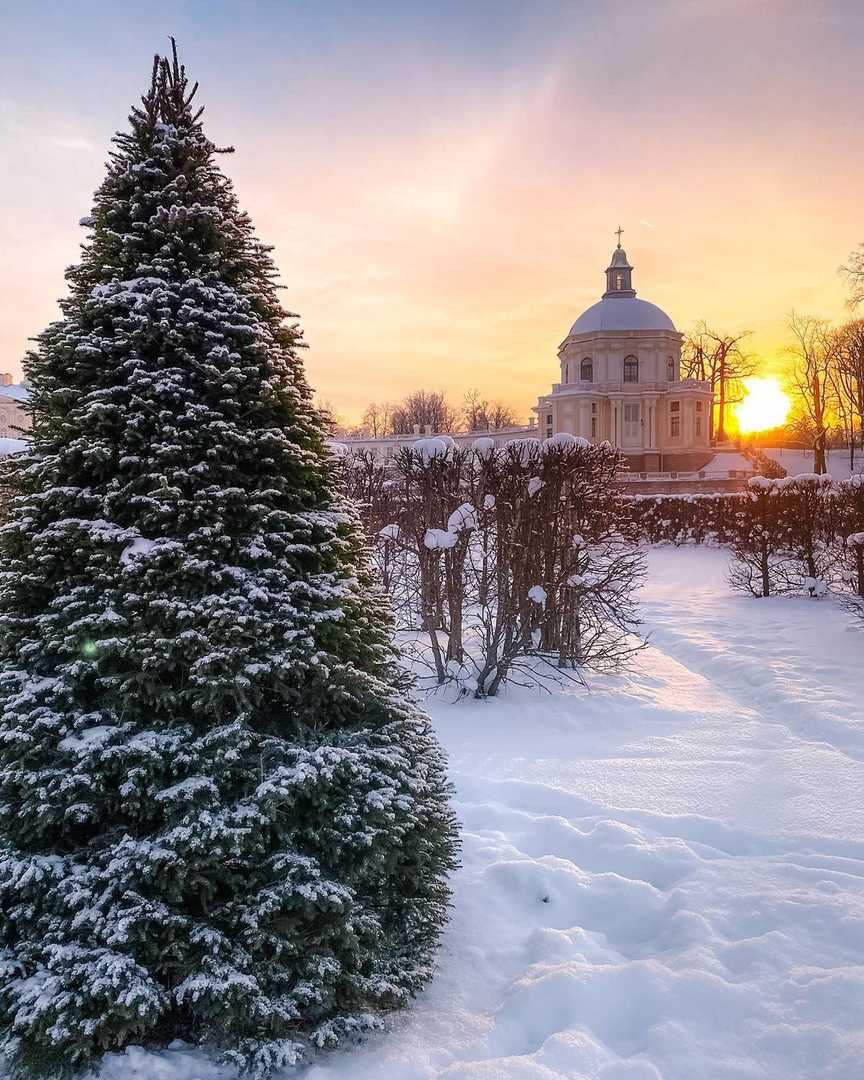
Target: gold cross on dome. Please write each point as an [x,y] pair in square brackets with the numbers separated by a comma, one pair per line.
[618,232]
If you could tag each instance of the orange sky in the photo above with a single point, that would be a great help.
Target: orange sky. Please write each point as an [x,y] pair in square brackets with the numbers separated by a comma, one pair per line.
[442,205]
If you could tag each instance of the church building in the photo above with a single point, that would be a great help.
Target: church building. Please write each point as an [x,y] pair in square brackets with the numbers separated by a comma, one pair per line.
[621,382]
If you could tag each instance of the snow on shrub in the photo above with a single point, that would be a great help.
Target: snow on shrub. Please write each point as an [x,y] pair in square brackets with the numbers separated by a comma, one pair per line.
[439,539]
[484,446]
[523,449]
[463,517]
[563,438]
[436,447]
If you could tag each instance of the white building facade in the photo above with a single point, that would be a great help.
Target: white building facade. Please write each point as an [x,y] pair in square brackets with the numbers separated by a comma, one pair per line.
[620,381]
[14,419]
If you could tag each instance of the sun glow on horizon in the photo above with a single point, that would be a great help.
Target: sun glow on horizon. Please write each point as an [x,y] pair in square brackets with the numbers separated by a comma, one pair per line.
[765,404]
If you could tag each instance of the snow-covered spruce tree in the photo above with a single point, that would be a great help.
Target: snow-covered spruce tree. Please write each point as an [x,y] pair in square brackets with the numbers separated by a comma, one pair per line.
[222,818]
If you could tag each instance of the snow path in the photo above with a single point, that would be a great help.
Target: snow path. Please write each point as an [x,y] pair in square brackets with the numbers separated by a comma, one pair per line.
[662,879]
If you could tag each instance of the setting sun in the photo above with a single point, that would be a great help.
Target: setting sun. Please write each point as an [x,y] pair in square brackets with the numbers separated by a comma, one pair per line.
[765,405]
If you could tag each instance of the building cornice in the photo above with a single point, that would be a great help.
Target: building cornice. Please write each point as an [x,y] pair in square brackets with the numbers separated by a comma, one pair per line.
[681,388]
[610,337]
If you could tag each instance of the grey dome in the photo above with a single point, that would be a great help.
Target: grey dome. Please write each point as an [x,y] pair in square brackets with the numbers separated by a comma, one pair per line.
[621,313]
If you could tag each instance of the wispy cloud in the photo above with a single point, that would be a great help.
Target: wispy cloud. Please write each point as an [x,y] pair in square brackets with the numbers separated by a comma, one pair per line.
[24,124]
[68,142]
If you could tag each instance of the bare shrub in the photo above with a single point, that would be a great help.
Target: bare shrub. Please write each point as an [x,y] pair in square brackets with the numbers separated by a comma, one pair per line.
[504,562]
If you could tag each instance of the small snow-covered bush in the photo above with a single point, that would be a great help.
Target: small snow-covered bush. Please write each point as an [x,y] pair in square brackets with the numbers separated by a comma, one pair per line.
[786,534]
[688,519]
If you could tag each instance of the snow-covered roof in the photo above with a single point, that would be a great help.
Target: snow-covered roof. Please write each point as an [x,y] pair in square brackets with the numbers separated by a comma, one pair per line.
[622,313]
[16,391]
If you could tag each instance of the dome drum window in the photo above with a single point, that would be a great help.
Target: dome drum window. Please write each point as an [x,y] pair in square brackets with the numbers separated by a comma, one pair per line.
[631,369]
[586,372]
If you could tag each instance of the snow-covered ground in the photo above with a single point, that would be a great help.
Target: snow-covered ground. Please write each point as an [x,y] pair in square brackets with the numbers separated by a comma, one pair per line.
[726,461]
[796,462]
[664,877]
[12,446]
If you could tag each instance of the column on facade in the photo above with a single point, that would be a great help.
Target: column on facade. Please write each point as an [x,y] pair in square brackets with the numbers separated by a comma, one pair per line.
[649,427]
[584,428]
[691,423]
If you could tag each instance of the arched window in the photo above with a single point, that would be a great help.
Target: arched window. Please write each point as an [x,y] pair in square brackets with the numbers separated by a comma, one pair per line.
[565,373]
[631,369]
[586,373]
[670,369]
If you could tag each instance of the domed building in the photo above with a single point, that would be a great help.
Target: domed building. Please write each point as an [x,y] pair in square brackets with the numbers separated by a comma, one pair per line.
[621,381]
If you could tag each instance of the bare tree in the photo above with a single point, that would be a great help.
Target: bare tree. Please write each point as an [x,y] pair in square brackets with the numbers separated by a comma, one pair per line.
[422,409]
[377,420]
[854,272]
[501,416]
[812,377]
[846,370]
[474,411]
[478,414]
[848,539]
[756,549]
[335,424]
[717,358]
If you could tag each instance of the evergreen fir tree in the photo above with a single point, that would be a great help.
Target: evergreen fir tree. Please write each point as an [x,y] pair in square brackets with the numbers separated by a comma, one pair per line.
[222,817]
